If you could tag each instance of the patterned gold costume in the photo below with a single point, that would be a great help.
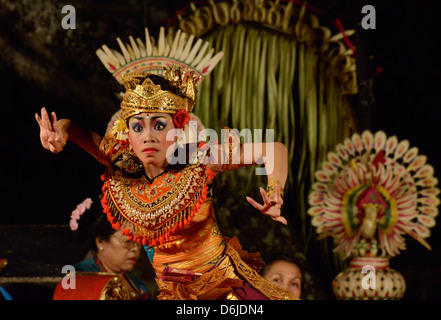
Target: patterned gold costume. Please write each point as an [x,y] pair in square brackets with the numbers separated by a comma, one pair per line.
[172,215]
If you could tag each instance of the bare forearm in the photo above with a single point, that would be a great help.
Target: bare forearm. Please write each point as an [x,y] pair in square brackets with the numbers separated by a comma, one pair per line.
[277,165]
[86,139]
[273,155]
[275,158]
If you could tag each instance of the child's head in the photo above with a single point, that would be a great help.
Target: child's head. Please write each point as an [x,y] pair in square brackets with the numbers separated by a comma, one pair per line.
[286,272]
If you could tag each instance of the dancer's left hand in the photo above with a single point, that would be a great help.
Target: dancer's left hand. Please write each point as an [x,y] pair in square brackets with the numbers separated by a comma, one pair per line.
[271,206]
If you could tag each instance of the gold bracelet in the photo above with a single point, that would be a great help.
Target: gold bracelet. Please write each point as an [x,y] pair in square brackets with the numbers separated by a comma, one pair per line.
[271,187]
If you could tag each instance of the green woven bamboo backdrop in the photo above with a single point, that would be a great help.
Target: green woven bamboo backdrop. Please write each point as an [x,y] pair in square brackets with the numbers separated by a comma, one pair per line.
[268,80]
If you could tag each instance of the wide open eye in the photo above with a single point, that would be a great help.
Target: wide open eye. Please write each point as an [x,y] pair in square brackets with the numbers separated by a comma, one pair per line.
[137,127]
[159,124]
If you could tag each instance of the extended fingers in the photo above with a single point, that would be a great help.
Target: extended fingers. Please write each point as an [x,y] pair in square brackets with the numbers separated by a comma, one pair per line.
[56,127]
[264,209]
[264,195]
[46,122]
[54,117]
[281,220]
[255,204]
[37,117]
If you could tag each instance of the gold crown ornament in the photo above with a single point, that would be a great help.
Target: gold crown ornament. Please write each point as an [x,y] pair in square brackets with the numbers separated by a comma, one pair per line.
[178,57]
[142,95]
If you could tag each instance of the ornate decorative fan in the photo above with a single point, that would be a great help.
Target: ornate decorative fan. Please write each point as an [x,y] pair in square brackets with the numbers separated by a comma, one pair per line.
[374,188]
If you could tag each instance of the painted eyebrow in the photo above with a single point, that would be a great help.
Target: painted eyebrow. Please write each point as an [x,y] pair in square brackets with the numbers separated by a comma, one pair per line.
[152,118]
[137,118]
[157,117]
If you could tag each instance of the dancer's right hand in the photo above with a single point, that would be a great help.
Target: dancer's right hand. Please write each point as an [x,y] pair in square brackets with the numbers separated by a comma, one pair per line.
[53,136]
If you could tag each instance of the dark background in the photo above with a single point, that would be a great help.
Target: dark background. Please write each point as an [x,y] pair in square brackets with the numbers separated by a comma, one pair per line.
[407,105]
[398,70]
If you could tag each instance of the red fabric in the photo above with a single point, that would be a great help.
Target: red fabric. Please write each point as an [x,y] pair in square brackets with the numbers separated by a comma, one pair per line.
[247,292]
[87,287]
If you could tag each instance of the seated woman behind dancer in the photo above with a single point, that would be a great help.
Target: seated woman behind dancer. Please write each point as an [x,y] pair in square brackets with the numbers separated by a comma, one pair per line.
[286,272]
[110,251]
[165,206]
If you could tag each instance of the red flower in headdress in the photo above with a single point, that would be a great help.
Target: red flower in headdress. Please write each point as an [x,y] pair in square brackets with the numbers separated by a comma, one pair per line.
[181,118]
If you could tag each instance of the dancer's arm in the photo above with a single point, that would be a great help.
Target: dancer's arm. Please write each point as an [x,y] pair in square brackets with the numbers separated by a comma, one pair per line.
[274,156]
[54,134]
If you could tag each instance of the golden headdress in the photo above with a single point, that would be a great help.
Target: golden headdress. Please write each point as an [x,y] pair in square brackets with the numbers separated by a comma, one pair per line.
[142,95]
[151,56]
[181,59]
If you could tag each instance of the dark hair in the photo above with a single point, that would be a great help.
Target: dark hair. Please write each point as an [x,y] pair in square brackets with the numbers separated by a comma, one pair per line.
[164,83]
[93,224]
[269,261]
[101,228]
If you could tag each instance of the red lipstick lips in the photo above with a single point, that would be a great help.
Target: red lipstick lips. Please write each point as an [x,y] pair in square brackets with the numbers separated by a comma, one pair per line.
[149,151]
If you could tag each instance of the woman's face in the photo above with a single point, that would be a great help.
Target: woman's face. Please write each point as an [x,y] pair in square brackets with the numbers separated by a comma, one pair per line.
[118,254]
[147,136]
[286,275]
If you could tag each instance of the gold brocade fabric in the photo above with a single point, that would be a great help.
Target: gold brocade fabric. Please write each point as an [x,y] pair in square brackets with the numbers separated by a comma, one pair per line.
[201,248]
[221,280]
[153,209]
[174,218]
[197,247]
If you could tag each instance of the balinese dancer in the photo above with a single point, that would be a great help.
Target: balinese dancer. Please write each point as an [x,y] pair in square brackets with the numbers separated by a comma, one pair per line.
[157,188]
